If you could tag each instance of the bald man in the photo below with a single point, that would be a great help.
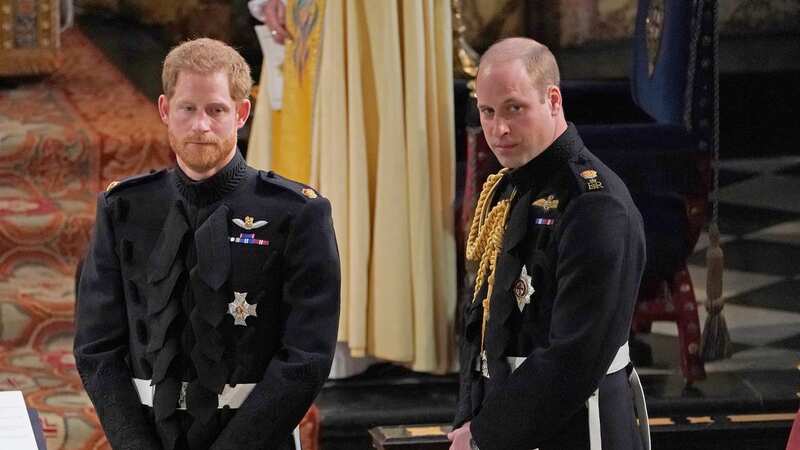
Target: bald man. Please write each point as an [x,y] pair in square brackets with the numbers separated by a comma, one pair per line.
[560,250]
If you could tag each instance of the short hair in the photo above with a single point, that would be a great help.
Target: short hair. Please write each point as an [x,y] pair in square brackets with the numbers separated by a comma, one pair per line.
[207,56]
[537,58]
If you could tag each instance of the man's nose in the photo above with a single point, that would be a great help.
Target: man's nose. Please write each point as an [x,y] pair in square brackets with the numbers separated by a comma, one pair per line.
[201,122]
[500,127]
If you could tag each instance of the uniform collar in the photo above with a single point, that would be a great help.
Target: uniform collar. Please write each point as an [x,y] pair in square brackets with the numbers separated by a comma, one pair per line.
[543,166]
[215,187]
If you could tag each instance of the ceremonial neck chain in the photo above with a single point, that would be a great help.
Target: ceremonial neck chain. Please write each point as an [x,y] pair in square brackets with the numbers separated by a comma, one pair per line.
[485,242]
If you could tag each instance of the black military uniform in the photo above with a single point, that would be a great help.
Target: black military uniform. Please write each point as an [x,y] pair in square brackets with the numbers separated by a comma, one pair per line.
[550,338]
[207,311]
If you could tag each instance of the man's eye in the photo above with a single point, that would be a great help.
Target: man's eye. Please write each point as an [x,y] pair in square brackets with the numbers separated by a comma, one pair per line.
[188,108]
[487,112]
[514,108]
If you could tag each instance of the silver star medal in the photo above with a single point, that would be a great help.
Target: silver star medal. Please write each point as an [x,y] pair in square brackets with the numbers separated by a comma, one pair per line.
[523,288]
[240,309]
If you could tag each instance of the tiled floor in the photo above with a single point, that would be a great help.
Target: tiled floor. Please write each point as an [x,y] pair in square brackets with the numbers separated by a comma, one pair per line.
[760,226]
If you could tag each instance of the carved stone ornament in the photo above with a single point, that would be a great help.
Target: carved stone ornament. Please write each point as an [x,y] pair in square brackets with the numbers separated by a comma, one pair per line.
[654,27]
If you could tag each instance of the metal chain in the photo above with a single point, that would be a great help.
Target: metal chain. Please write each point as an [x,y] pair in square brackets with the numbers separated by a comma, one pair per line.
[697,20]
[715,99]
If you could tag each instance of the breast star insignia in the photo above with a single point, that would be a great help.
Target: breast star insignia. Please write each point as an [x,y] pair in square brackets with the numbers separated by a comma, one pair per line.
[523,288]
[240,309]
[249,223]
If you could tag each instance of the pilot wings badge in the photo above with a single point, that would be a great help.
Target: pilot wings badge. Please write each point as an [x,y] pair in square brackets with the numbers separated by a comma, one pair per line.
[249,223]
[546,203]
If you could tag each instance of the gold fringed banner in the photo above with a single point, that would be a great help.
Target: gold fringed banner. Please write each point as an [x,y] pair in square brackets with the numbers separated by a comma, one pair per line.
[29,37]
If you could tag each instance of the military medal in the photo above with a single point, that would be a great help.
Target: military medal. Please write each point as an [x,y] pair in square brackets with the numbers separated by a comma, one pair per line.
[548,203]
[248,238]
[249,223]
[523,288]
[240,309]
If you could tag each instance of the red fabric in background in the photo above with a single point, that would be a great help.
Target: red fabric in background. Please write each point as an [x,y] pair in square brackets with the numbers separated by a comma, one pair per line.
[794,436]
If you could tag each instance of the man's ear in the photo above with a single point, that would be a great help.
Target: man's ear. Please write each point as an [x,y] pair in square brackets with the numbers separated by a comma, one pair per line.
[163,108]
[554,99]
[242,112]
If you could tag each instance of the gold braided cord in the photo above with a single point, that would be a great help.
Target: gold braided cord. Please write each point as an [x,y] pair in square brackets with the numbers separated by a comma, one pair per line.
[486,240]
[498,216]
[476,246]
[489,242]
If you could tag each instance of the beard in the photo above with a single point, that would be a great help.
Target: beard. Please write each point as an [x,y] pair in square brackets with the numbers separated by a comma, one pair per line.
[201,158]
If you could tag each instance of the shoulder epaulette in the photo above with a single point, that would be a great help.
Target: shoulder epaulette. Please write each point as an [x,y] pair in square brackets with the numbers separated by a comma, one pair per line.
[300,189]
[116,186]
[588,178]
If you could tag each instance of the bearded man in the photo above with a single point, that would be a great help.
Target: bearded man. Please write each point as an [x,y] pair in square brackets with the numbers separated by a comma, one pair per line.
[208,303]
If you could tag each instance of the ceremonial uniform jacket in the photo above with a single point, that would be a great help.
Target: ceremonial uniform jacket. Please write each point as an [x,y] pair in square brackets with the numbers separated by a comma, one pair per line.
[575,231]
[196,287]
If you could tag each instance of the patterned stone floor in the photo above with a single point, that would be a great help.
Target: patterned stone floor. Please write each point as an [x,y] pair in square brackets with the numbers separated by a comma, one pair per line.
[760,228]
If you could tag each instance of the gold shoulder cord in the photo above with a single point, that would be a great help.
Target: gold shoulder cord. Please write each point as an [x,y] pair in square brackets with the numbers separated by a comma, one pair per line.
[485,242]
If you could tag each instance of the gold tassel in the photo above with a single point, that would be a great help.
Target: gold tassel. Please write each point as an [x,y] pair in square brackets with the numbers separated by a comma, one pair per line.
[715,343]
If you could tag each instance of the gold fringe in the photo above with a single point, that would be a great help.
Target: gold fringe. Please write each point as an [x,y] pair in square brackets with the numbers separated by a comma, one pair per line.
[29,62]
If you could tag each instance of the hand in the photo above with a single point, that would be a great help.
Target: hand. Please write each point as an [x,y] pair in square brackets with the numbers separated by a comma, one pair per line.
[460,438]
[275,18]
